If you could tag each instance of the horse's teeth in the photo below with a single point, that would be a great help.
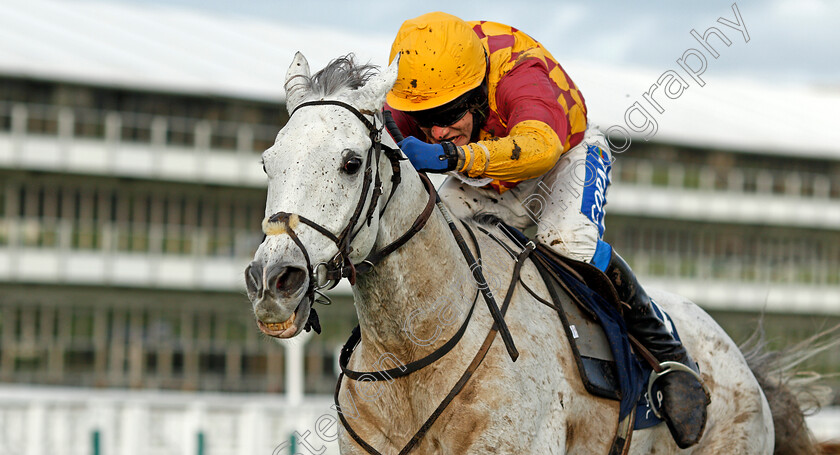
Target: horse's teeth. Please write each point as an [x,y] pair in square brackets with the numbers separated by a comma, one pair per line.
[277,326]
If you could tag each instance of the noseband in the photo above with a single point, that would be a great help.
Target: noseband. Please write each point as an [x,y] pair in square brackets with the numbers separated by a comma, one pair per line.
[340,266]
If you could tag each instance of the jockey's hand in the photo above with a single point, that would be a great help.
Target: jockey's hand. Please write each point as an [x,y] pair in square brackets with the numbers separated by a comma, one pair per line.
[425,157]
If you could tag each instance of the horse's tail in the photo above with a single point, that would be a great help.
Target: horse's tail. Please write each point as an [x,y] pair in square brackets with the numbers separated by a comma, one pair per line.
[792,394]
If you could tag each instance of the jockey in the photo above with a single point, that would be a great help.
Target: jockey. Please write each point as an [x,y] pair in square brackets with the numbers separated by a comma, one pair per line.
[487,104]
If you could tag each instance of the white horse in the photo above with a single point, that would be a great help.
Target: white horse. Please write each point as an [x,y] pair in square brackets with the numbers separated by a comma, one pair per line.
[416,298]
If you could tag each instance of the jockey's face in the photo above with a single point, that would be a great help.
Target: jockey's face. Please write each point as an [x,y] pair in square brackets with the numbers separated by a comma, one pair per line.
[458,133]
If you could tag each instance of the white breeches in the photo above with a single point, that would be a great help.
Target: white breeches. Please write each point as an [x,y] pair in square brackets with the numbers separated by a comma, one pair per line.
[566,203]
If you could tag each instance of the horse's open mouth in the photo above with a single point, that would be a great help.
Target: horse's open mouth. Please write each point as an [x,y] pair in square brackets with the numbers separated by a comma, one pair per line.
[285,329]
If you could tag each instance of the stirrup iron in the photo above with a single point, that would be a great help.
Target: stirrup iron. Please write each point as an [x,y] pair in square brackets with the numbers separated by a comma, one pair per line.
[669,367]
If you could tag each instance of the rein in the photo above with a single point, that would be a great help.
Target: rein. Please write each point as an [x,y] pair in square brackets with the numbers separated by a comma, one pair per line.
[348,348]
[342,267]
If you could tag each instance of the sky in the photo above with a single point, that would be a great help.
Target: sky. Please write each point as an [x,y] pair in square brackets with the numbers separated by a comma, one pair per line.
[790,41]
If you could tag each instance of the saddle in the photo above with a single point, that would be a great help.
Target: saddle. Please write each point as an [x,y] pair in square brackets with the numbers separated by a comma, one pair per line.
[589,309]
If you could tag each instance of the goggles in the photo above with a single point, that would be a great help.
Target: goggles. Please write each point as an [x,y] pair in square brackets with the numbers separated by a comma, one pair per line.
[445,115]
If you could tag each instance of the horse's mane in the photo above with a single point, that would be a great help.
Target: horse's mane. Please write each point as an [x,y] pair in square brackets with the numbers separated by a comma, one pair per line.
[487,219]
[341,73]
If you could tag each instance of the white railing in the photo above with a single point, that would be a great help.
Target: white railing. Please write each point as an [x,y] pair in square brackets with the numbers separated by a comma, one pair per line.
[730,295]
[87,141]
[42,421]
[724,206]
[37,420]
[94,156]
[776,270]
[778,288]
[68,122]
[667,175]
[645,187]
[140,270]
[61,138]
[121,269]
[124,254]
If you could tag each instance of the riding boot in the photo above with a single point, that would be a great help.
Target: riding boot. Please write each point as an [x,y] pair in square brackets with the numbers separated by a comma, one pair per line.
[683,398]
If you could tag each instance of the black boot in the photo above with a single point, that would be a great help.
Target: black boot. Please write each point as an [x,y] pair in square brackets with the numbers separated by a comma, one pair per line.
[683,398]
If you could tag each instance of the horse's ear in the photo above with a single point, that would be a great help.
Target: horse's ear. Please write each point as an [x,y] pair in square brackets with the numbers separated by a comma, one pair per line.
[297,82]
[372,94]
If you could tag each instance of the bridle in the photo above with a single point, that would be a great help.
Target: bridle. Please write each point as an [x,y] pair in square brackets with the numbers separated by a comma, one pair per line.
[340,266]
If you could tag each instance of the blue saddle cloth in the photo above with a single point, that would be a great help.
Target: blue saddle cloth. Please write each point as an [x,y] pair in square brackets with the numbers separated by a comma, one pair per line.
[632,374]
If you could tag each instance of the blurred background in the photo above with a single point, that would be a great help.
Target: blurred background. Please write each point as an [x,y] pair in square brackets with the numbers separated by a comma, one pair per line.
[131,195]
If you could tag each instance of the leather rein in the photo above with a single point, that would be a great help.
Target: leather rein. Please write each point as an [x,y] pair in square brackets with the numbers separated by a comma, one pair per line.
[340,266]
[405,370]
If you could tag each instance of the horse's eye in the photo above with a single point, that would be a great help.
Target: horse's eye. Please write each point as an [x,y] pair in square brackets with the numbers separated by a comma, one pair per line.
[352,165]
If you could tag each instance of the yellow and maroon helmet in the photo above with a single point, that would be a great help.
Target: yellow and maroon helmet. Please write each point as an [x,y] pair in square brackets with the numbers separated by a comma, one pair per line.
[441,59]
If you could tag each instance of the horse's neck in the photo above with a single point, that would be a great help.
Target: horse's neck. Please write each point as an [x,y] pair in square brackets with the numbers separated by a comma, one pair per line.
[407,301]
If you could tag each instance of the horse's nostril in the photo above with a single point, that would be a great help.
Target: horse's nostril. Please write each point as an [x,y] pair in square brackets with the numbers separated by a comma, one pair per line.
[253,278]
[289,280]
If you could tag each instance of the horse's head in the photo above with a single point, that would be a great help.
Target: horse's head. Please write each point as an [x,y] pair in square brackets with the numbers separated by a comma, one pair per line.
[322,171]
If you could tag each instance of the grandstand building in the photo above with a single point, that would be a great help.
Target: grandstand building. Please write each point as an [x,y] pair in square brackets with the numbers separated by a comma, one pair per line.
[131,197]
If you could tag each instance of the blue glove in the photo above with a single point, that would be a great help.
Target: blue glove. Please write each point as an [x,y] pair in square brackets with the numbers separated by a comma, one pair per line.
[425,157]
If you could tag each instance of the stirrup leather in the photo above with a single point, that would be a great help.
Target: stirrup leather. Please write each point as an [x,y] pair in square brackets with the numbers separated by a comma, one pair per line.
[670,367]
